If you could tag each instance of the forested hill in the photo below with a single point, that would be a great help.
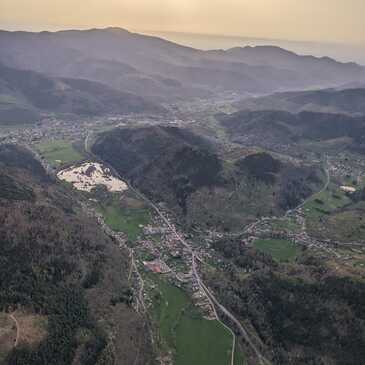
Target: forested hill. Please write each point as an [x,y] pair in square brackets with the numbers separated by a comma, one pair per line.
[185,170]
[346,101]
[276,128]
[61,275]
[25,94]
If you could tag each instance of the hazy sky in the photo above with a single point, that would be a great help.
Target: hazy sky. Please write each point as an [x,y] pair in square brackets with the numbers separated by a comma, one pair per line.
[318,20]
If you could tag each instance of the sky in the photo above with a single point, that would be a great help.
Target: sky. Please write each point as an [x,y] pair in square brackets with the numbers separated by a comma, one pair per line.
[310,20]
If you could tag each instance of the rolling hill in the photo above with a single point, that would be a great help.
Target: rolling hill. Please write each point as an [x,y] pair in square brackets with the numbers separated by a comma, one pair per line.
[25,94]
[180,168]
[348,101]
[284,128]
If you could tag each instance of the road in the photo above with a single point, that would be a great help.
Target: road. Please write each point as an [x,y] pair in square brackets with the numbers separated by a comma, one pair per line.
[210,297]
[17,329]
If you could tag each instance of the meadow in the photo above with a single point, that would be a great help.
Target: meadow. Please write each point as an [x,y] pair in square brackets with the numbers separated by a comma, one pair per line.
[59,152]
[280,250]
[181,327]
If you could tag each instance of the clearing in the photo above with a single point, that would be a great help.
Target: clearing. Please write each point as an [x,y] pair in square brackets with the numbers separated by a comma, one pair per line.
[31,331]
[7,335]
[280,250]
[123,216]
[59,152]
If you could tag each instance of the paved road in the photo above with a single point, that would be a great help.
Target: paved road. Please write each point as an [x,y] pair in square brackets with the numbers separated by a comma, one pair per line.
[210,297]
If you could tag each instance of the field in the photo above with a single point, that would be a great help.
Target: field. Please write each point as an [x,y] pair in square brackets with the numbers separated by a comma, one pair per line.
[284,224]
[330,215]
[239,358]
[59,152]
[348,225]
[195,340]
[325,202]
[125,219]
[280,250]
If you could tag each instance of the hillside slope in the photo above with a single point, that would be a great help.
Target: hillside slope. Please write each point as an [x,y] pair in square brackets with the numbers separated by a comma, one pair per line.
[304,312]
[59,272]
[34,92]
[349,101]
[279,128]
[184,170]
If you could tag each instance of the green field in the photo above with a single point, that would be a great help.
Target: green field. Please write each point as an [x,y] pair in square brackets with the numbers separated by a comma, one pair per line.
[282,224]
[324,218]
[195,340]
[127,220]
[239,358]
[280,250]
[325,202]
[59,152]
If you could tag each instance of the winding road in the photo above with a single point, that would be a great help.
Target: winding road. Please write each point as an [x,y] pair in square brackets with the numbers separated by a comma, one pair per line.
[210,297]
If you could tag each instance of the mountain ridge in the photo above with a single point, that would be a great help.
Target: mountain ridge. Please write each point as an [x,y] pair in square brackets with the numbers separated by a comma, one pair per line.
[166,71]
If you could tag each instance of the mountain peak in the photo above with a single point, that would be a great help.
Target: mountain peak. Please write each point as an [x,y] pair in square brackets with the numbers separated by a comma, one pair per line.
[263,49]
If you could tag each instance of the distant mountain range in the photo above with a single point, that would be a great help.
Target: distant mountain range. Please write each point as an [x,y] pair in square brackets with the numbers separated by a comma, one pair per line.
[339,51]
[349,101]
[25,94]
[164,71]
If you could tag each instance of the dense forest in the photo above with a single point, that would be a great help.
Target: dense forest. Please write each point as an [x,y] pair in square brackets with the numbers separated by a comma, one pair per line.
[56,263]
[304,312]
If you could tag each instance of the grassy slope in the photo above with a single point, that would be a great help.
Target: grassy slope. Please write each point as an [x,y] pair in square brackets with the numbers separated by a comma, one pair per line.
[326,218]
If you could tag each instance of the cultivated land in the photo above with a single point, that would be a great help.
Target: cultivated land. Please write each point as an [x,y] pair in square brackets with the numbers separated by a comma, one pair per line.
[325,202]
[123,218]
[193,339]
[59,152]
[332,214]
[280,250]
